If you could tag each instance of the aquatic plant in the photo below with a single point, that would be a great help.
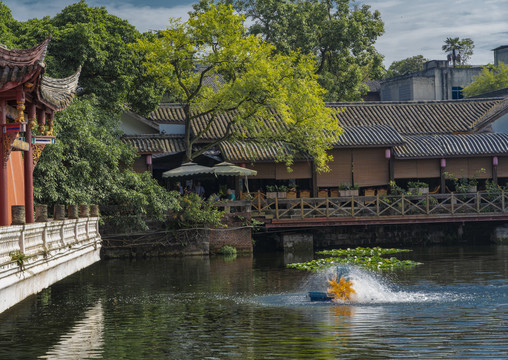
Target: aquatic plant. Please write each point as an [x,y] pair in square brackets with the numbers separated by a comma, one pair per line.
[370,258]
[227,250]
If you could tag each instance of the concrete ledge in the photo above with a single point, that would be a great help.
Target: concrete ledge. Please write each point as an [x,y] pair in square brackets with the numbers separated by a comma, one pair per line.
[52,251]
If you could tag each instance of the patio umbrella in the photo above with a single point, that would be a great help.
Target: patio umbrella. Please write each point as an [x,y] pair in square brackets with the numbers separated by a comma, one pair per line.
[188,169]
[228,169]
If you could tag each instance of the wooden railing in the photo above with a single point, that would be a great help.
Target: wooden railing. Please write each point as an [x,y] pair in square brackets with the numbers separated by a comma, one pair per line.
[363,206]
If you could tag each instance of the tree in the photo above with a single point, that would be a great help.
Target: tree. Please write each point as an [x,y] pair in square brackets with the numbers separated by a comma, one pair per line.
[216,70]
[406,66]
[99,42]
[337,34]
[90,164]
[459,51]
[491,78]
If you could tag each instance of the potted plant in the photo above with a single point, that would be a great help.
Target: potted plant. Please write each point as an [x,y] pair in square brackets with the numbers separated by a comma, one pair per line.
[271,191]
[334,192]
[305,193]
[322,193]
[418,187]
[282,191]
[291,193]
[355,190]
[344,189]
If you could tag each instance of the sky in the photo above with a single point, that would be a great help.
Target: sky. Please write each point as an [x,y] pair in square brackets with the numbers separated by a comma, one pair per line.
[412,27]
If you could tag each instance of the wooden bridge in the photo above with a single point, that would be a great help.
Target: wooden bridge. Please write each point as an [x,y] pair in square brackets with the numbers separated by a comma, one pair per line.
[381,210]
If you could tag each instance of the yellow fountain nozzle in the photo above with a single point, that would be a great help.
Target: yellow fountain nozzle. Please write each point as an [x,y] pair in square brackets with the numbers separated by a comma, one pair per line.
[341,290]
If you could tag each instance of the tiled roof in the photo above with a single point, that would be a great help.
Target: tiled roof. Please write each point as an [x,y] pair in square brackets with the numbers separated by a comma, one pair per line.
[17,64]
[243,151]
[407,118]
[423,117]
[363,136]
[58,93]
[158,143]
[437,146]
[167,114]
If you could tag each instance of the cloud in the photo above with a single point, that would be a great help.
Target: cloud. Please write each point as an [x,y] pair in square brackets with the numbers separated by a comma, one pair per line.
[411,27]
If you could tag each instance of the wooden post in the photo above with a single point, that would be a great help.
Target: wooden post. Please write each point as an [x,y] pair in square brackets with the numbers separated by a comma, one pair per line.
[377,203]
[301,207]
[494,174]
[402,204]
[443,180]
[502,199]
[314,180]
[28,166]
[4,194]
[327,208]
[277,207]
[452,201]
[478,202]
[428,204]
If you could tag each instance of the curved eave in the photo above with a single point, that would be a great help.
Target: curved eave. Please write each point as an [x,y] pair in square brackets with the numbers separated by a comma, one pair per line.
[58,93]
[18,66]
[24,57]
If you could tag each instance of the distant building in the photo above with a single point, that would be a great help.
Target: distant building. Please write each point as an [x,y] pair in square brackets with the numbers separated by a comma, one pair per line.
[501,55]
[437,81]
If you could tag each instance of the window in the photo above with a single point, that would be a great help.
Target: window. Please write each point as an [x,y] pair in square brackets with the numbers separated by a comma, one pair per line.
[457,92]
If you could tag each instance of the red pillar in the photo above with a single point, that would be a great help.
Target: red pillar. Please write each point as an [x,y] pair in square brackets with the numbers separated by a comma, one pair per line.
[4,195]
[28,162]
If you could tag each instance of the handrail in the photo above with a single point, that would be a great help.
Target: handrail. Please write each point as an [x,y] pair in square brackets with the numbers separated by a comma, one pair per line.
[385,205]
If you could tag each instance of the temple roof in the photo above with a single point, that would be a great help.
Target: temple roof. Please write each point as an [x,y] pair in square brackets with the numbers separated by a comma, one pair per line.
[406,118]
[155,143]
[437,146]
[424,117]
[58,93]
[18,64]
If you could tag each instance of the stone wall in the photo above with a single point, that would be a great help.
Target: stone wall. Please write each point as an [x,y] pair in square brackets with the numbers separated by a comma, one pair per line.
[34,256]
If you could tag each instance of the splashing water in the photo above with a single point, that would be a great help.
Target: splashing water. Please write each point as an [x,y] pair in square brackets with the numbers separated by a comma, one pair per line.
[372,288]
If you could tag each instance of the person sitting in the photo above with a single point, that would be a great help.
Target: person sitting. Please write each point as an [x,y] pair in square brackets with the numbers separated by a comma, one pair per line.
[230,195]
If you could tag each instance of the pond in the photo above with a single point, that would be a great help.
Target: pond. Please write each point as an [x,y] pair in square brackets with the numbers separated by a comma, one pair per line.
[453,306]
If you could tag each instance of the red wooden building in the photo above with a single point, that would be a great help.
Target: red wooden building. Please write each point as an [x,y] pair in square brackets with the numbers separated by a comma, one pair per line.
[28,102]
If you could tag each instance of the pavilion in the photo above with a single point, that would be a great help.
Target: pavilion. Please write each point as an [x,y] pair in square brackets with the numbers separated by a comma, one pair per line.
[28,102]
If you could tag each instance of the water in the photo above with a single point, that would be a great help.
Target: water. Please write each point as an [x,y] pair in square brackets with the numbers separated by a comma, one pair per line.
[455,306]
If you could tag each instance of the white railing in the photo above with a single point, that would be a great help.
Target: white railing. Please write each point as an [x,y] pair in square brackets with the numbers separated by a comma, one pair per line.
[46,238]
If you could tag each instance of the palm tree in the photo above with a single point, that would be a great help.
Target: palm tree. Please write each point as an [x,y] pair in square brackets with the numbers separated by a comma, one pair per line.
[452,47]
[459,51]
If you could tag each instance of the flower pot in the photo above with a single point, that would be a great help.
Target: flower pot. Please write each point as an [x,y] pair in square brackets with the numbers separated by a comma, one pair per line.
[94,211]
[18,214]
[291,194]
[84,211]
[304,193]
[281,194]
[73,211]
[354,192]
[271,195]
[322,193]
[41,213]
[334,193]
[59,212]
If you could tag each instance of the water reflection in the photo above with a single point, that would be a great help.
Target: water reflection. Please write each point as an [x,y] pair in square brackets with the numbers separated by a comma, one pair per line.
[454,306]
[84,341]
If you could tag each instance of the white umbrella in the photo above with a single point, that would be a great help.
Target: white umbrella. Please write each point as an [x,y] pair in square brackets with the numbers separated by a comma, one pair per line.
[228,169]
[188,169]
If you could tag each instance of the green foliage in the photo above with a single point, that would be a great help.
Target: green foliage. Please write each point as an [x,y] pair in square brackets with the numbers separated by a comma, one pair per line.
[244,77]
[459,51]
[19,257]
[406,66]
[192,211]
[90,164]
[338,34]
[227,250]
[370,258]
[417,184]
[491,78]
[99,42]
